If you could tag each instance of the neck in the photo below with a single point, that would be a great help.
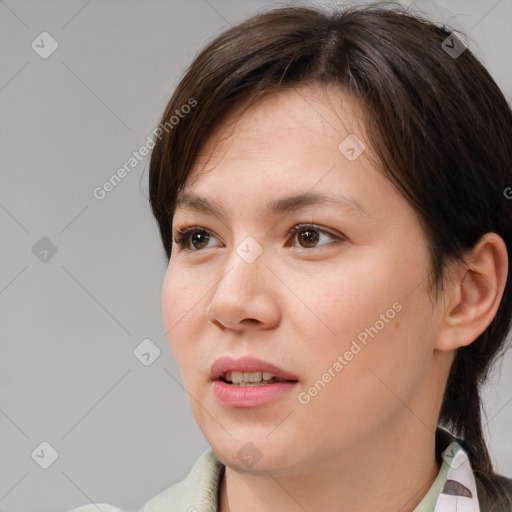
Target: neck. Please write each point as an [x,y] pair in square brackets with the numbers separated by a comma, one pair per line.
[384,474]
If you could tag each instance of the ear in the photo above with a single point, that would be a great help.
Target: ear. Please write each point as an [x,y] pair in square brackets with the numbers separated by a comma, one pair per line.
[473,293]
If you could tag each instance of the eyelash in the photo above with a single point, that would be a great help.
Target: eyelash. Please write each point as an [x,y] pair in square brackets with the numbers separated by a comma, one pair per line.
[182,235]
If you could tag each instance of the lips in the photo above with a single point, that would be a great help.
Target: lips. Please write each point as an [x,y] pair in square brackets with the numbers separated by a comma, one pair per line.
[247,364]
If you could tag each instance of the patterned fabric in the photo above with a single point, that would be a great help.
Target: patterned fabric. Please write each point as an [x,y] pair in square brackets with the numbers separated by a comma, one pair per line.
[459,493]
[453,490]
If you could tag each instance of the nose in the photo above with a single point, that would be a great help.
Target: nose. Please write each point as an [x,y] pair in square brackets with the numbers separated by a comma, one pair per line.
[244,295]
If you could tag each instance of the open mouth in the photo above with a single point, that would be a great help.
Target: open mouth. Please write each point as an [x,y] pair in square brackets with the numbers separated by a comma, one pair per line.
[251,378]
[251,389]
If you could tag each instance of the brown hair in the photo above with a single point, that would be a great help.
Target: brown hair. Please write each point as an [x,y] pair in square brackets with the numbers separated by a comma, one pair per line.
[439,125]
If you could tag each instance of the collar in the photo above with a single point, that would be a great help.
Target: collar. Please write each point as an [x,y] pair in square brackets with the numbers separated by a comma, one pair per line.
[453,490]
[197,492]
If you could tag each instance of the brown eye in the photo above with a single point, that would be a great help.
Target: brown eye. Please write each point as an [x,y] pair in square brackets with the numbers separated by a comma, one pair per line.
[308,235]
[194,239]
[198,237]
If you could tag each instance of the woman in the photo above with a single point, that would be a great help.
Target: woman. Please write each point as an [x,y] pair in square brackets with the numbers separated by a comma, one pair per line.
[332,199]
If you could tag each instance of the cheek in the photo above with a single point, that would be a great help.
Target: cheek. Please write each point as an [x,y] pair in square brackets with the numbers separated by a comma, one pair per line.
[339,299]
[364,311]
[172,289]
[182,313]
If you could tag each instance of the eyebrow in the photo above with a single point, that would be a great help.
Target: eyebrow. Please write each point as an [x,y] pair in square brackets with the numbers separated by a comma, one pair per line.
[274,207]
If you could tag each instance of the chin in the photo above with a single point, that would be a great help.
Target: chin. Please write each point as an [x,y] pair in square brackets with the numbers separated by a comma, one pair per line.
[254,454]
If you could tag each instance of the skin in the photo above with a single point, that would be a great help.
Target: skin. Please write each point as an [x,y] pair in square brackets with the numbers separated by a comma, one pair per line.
[366,441]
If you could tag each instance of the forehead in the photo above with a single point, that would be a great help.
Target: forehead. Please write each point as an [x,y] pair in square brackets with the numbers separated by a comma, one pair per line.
[315,116]
[283,146]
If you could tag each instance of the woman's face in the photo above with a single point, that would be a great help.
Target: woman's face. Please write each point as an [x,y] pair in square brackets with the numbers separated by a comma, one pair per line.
[341,305]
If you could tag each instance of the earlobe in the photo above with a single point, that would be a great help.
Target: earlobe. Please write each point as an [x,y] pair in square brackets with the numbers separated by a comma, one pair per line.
[473,296]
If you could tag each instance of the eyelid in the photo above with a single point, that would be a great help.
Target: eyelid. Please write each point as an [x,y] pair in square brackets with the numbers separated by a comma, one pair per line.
[182,232]
[305,225]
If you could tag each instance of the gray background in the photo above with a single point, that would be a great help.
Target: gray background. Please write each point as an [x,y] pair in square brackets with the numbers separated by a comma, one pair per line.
[123,431]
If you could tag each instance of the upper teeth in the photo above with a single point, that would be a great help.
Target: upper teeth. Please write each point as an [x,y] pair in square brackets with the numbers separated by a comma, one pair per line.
[237,377]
